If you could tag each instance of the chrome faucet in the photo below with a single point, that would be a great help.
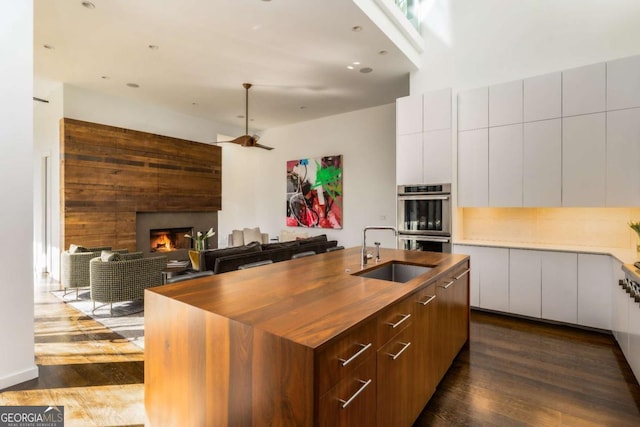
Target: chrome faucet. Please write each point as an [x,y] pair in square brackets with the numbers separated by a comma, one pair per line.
[364,239]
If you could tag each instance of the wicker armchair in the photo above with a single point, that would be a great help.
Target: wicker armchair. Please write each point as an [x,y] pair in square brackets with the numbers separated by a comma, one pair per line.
[126,280]
[75,267]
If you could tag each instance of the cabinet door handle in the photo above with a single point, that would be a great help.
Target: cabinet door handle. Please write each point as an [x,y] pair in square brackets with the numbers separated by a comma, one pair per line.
[399,322]
[355,356]
[346,403]
[463,273]
[447,285]
[405,346]
[427,301]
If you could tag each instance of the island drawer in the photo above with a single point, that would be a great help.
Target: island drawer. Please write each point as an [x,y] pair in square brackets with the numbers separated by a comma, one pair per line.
[351,402]
[341,358]
[394,319]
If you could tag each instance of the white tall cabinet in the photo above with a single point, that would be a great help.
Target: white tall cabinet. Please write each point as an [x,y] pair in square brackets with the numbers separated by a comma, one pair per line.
[423,138]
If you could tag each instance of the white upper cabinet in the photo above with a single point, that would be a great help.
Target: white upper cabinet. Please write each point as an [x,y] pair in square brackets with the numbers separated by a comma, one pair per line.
[409,115]
[505,103]
[505,166]
[409,159]
[473,109]
[473,168]
[436,106]
[542,164]
[583,160]
[436,163]
[623,83]
[543,97]
[623,158]
[583,90]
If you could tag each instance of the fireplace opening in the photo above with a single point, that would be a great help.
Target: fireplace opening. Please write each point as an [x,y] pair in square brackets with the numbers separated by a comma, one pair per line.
[170,239]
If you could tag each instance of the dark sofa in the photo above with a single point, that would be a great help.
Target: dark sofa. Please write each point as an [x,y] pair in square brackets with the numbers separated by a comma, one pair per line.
[229,259]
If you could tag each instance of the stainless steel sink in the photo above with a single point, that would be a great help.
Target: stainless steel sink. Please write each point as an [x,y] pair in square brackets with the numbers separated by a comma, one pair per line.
[394,272]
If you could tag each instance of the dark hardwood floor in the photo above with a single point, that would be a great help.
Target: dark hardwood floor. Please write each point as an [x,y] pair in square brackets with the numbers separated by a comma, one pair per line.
[519,372]
[515,372]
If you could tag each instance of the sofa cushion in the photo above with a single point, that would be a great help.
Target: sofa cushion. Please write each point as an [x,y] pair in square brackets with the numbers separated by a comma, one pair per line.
[211,255]
[228,263]
[251,235]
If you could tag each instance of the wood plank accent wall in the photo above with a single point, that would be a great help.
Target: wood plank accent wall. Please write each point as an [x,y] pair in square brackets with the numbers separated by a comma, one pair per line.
[108,174]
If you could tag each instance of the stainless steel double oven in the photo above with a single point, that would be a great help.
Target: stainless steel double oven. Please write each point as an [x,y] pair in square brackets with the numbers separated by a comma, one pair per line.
[424,217]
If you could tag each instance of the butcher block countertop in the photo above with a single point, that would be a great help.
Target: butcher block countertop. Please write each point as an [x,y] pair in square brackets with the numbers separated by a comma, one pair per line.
[308,300]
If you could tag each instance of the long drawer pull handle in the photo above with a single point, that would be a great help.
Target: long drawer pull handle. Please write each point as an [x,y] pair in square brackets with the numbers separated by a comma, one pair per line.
[427,301]
[346,403]
[399,322]
[355,356]
[447,285]
[405,346]
[463,273]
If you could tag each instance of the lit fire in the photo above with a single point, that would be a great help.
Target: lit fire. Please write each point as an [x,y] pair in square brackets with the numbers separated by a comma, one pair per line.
[162,243]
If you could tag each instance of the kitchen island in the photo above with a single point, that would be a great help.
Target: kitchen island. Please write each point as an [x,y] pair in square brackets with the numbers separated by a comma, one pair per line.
[306,342]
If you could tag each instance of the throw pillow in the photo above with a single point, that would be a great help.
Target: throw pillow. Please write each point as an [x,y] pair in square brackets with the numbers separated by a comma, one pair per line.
[75,249]
[237,236]
[252,235]
[107,256]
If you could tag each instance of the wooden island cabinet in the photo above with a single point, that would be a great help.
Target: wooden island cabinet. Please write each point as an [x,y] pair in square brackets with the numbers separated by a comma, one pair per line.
[306,342]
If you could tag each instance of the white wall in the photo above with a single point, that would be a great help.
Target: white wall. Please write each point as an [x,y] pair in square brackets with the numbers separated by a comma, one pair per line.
[16,173]
[46,136]
[472,43]
[255,194]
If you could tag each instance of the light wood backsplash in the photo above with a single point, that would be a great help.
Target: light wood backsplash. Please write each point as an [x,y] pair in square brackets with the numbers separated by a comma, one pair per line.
[604,227]
[108,174]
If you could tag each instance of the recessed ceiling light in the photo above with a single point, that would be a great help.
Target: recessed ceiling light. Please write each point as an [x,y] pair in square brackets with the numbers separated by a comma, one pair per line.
[240,116]
[350,67]
[133,85]
[366,70]
[356,62]
[88,5]
[194,103]
[356,28]
[154,47]
[48,46]
[105,77]
[382,52]
[302,107]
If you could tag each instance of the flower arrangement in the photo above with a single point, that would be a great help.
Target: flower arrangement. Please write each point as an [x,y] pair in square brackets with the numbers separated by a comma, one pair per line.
[199,240]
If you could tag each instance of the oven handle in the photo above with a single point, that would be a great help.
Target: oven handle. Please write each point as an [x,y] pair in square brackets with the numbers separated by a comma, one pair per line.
[423,197]
[425,238]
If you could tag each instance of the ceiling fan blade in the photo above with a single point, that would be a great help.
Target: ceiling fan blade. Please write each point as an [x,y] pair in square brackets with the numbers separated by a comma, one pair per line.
[263,146]
[244,140]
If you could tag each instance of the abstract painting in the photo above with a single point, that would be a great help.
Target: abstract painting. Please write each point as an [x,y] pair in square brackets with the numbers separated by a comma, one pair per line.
[314,192]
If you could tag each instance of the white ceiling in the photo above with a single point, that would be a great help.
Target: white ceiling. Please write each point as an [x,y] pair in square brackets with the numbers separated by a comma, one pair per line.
[295,52]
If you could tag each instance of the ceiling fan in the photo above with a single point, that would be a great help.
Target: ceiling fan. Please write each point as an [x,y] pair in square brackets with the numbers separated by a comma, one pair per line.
[247,140]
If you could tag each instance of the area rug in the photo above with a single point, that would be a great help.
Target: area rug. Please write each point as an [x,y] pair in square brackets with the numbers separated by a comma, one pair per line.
[127,319]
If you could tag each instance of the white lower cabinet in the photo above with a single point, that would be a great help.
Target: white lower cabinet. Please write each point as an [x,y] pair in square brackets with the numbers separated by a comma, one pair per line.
[552,285]
[489,276]
[560,286]
[633,356]
[595,276]
[525,277]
